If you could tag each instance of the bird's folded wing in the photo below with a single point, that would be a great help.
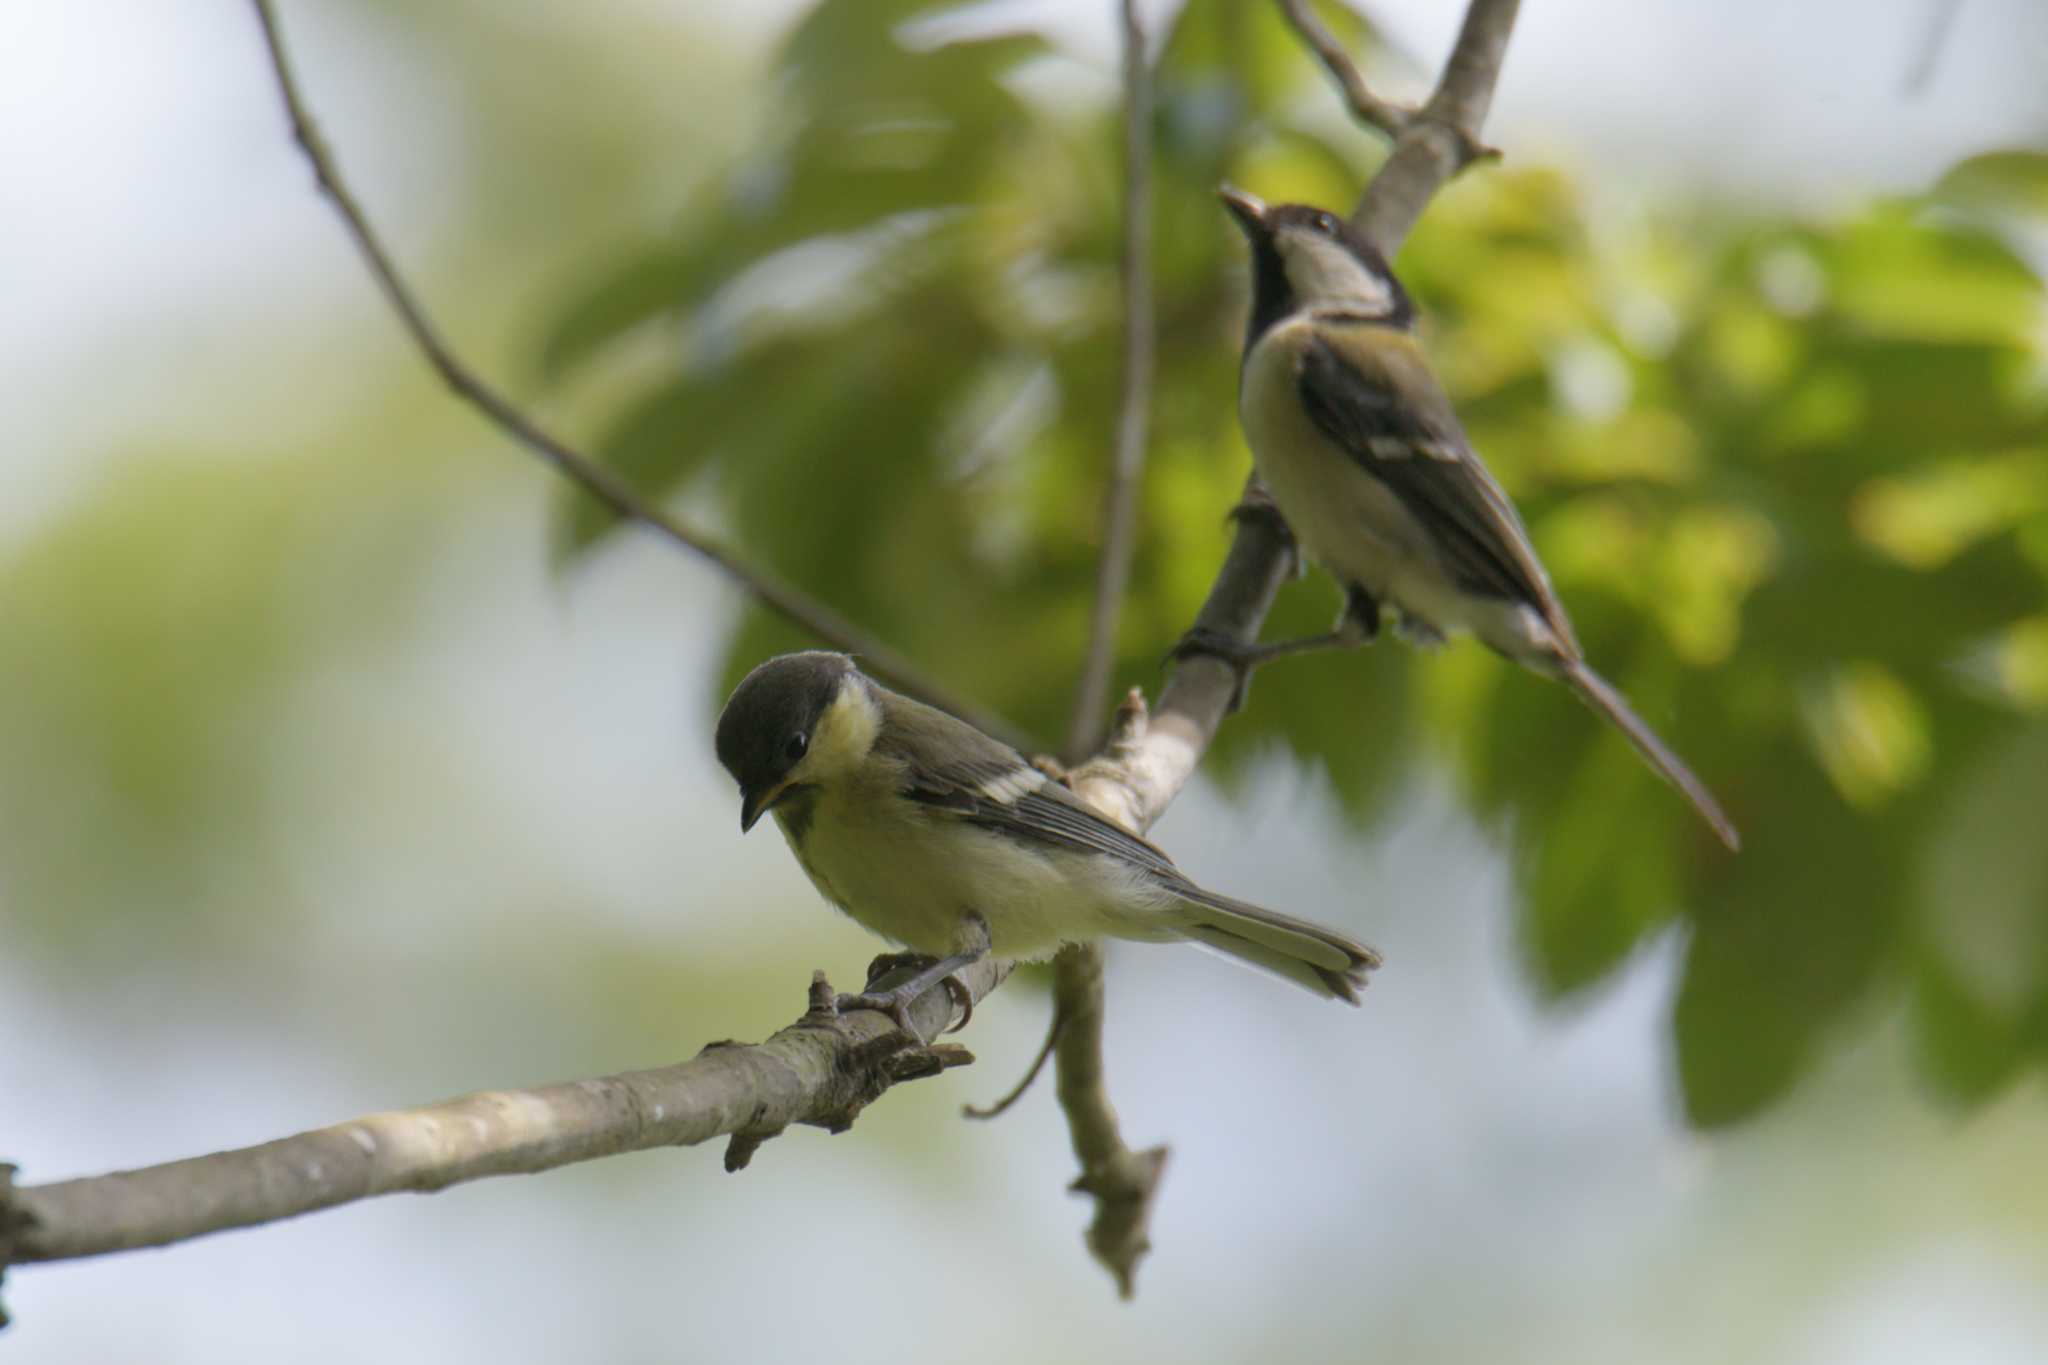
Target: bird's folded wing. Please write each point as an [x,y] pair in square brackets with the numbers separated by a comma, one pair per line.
[1025,803]
[1372,392]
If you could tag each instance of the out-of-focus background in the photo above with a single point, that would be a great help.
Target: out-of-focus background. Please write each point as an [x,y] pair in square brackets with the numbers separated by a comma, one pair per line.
[347,762]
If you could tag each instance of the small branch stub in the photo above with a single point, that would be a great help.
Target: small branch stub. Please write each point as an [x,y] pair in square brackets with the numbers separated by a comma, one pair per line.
[1123,1183]
[14,1222]
[1123,1190]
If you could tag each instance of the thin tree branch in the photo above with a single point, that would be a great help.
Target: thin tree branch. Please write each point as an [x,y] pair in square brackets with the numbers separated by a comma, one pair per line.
[1002,1106]
[1368,108]
[822,1070]
[1120,1181]
[1941,21]
[1120,501]
[793,604]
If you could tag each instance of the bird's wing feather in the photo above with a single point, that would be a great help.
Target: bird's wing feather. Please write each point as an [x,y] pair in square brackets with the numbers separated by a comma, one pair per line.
[1371,390]
[987,783]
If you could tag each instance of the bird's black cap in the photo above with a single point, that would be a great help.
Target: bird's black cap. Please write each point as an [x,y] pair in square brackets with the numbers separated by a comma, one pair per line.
[768,721]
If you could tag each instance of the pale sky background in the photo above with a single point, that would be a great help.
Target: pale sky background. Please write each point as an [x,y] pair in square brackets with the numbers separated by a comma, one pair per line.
[140,124]
[1451,1173]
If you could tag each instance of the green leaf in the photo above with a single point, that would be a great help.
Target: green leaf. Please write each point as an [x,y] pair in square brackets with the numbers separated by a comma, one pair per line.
[1784,936]
[2015,181]
[647,282]
[1981,966]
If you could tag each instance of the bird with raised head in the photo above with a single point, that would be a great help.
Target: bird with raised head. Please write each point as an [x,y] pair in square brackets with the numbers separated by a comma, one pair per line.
[1357,443]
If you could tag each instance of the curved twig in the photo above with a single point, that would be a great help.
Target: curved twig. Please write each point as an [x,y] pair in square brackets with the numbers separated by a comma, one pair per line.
[1120,500]
[1368,108]
[793,604]
[1024,1083]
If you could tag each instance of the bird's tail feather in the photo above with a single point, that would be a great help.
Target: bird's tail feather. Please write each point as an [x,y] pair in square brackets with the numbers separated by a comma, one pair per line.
[1317,959]
[1599,694]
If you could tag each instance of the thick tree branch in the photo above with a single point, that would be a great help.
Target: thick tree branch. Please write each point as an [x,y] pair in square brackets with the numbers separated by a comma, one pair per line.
[1120,500]
[793,604]
[822,1070]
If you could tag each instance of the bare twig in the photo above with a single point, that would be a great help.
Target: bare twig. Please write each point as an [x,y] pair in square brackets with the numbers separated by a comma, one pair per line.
[798,607]
[1941,21]
[1002,1106]
[1120,1181]
[1368,108]
[821,1070]
[1120,501]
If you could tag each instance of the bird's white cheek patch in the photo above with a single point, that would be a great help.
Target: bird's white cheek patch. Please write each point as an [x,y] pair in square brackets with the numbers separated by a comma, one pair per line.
[845,734]
[1323,273]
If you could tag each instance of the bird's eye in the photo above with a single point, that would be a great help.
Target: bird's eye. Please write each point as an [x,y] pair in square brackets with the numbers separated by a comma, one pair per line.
[798,743]
[1326,224]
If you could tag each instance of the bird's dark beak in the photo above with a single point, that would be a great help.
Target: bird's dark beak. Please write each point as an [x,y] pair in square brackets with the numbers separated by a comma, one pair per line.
[1248,209]
[755,804]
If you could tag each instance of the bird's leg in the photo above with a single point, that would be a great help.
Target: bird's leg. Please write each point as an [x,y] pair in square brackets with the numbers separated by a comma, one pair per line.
[895,1002]
[1358,624]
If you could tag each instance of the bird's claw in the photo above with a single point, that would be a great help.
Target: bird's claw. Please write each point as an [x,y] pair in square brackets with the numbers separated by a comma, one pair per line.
[930,971]
[892,1003]
[896,1003]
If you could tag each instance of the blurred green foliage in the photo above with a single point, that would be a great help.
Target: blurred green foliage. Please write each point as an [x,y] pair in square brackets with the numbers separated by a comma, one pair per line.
[1790,477]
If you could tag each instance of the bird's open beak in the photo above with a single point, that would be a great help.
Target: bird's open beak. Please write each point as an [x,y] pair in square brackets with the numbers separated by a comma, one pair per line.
[1248,209]
[754,805]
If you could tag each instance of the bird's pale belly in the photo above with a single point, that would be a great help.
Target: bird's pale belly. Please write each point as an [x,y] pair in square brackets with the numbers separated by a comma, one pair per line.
[1345,520]
[913,876]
